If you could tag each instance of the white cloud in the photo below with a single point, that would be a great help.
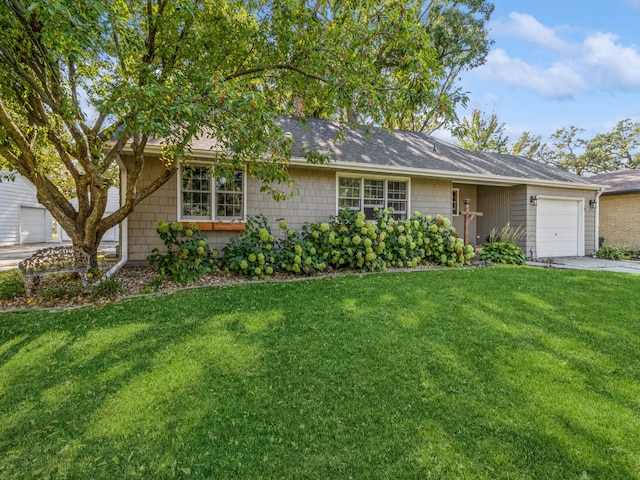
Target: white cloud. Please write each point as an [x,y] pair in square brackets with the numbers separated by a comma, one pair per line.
[526,27]
[557,81]
[598,62]
[634,3]
[610,64]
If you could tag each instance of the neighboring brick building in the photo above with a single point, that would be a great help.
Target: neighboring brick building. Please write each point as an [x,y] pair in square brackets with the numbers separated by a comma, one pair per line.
[620,208]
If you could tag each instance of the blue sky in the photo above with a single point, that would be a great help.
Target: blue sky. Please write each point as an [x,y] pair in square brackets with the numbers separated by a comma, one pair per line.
[560,63]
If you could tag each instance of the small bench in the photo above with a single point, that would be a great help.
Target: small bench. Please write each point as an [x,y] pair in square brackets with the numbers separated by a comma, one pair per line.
[52,261]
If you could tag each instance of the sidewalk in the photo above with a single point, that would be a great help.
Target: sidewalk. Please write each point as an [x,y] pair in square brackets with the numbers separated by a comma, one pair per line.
[12,255]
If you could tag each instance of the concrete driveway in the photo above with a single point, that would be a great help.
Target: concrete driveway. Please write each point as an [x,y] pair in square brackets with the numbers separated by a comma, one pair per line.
[591,263]
[12,255]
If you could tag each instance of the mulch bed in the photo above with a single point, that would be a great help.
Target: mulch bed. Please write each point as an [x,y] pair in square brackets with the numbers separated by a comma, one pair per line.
[66,291]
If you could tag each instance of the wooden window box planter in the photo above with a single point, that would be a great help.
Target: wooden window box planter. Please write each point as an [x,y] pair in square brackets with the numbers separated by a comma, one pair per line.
[219,226]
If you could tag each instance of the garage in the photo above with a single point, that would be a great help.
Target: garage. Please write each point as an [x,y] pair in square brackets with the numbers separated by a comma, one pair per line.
[559,231]
[33,226]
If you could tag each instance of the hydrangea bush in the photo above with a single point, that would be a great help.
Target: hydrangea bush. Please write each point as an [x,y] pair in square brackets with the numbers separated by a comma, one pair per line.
[253,253]
[348,241]
[188,257]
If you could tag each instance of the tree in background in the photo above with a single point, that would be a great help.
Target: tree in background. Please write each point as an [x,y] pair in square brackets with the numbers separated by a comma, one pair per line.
[92,80]
[568,150]
[605,152]
[483,133]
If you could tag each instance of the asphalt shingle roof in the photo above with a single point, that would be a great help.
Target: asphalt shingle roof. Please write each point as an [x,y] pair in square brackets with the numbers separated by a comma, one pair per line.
[419,152]
[621,181]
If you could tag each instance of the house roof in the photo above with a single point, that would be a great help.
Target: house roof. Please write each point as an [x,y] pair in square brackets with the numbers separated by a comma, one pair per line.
[420,154]
[621,181]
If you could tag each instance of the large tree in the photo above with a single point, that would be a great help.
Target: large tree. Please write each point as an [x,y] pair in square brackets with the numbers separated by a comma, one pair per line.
[91,79]
[458,30]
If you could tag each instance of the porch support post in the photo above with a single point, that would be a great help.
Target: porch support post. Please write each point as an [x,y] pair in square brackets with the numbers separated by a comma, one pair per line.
[468,216]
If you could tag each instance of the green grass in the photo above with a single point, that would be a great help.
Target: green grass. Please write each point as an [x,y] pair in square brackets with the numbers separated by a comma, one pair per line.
[501,373]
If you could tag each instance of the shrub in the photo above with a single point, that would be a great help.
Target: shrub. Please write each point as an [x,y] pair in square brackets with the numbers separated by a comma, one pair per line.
[188,257]
[613,253]
[108,287]
[252,254]
[508,234]
[502,252]
[347,241]
[11,284]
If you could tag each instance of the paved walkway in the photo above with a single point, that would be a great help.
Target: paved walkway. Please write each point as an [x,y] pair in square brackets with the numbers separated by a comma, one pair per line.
[12,255]
[590,263]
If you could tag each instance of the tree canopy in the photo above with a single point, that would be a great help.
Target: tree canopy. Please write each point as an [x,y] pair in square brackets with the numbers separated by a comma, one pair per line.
[83,82]
[567,148]
[461,42]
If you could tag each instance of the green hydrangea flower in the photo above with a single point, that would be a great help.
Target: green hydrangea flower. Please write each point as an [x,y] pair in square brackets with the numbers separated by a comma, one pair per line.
[252,257]
[356,239]
[324,227]
[282,224]
[264,234]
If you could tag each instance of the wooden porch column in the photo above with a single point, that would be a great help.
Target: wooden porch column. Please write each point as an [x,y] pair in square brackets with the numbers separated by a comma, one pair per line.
[468,216]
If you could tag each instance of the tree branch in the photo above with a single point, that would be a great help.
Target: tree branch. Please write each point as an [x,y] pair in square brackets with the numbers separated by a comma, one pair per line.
[284,66]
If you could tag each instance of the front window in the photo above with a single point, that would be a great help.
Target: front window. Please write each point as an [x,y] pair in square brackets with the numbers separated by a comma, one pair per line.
[455,202]
[205,197]
[367,194]
[196,192]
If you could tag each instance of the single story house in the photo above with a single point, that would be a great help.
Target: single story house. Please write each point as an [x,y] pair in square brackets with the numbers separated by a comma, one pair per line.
[22,218]
[404,170]
[619,208]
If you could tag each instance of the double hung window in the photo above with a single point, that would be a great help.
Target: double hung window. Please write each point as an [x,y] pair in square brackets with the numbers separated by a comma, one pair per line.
[366,194]
[204,196]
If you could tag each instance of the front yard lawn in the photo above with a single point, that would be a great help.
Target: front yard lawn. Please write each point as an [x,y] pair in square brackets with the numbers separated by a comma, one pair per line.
[494,373]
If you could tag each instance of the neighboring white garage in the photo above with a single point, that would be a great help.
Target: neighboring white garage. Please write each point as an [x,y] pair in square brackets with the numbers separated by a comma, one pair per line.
[33,225]
[559,227]
[22,218]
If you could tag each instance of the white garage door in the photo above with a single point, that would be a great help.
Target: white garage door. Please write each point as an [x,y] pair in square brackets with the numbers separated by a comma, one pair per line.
[558,232]
[33,227]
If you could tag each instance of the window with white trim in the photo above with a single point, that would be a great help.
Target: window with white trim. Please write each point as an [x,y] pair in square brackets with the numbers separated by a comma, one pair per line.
[455,201]
[366,194]
[205,197]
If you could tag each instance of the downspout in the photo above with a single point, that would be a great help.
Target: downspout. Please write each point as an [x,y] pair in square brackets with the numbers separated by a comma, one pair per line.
[597,220]
[124,227]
